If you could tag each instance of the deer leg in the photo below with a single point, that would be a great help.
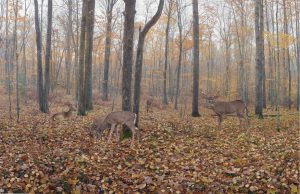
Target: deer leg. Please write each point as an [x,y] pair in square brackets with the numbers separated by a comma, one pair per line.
[119,130]
[247,122]
[132,127]
[132,139]
[220,119]
[138,136]
[240,115]
[240,119]
[111,132]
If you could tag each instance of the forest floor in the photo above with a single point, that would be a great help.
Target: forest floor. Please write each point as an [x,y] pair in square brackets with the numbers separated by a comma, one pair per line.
[177,155]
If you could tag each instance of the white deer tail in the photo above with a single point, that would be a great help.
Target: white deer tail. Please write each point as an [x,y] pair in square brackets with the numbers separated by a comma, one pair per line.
[135,116]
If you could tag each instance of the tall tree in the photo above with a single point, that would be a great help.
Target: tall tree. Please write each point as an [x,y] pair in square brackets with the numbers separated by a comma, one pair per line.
[81,91]
[271,65]
[259,58]
[169,10]
[286,57]
[39,57]
[68,46]
[139,56]
[298,52]
[7,58]
[195,104]
[127,53]
[109,4]
[16,54]
[43,87]
[180,29]
[48,56]
[88,79]
[85,57]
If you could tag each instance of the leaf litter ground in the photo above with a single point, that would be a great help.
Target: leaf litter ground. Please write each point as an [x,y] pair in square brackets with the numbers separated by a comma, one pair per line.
[177,155]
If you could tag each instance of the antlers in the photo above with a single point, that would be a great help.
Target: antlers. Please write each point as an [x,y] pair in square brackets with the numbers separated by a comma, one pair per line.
[202,95]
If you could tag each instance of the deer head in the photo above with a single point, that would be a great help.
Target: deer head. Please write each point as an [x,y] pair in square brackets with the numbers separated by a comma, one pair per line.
[210,100]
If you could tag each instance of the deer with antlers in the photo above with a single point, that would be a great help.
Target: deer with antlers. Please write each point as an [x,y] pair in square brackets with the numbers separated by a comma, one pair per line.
[222,108]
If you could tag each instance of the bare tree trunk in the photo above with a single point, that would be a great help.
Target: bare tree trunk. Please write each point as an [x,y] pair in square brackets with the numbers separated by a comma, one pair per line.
[139,56]
[286,54]
[24,92]
[278,71]
[39,58]
[127,53]
[179,23]
[271,87]
[298,52]
[169,14]
[68,40]
[262,42]
[48,57]
[259,59]
[195,110]
[76,51]
[6,48]
[109,12]
[89,55]
[7,59]
[81,101]
[16,54]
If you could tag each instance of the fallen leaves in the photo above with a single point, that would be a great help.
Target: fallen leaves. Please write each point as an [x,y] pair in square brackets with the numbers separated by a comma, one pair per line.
[176,156]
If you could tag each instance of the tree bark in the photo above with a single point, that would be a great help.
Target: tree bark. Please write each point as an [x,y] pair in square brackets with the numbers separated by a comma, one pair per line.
[81,101]
[259,60]
[68,40]
[128,53]
[109,12]
[169,13]
[298,52]
[195,105]
[179,23]
[139,56]
[48,57]
[39,58]
[88,83]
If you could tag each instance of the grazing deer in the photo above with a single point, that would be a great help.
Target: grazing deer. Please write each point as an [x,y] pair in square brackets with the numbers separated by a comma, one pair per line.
[64,114]
[225,108]
[98,123]
[117,119]
[151,102]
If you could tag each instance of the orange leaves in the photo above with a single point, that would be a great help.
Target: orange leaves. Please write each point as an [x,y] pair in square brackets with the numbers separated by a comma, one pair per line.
[177,155]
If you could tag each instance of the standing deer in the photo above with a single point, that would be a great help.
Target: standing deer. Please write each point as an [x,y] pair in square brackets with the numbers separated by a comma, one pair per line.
[64,114]
[151,102]
[117,119]
[94,130]
[225,108]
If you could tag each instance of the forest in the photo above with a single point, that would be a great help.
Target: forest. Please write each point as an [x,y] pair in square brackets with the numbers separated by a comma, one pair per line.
[149,96]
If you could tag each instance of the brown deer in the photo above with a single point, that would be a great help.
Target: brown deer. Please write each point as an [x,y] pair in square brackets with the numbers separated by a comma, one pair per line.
[95,130]
[151,102]
[115,120]
[224,108]
[63,114]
